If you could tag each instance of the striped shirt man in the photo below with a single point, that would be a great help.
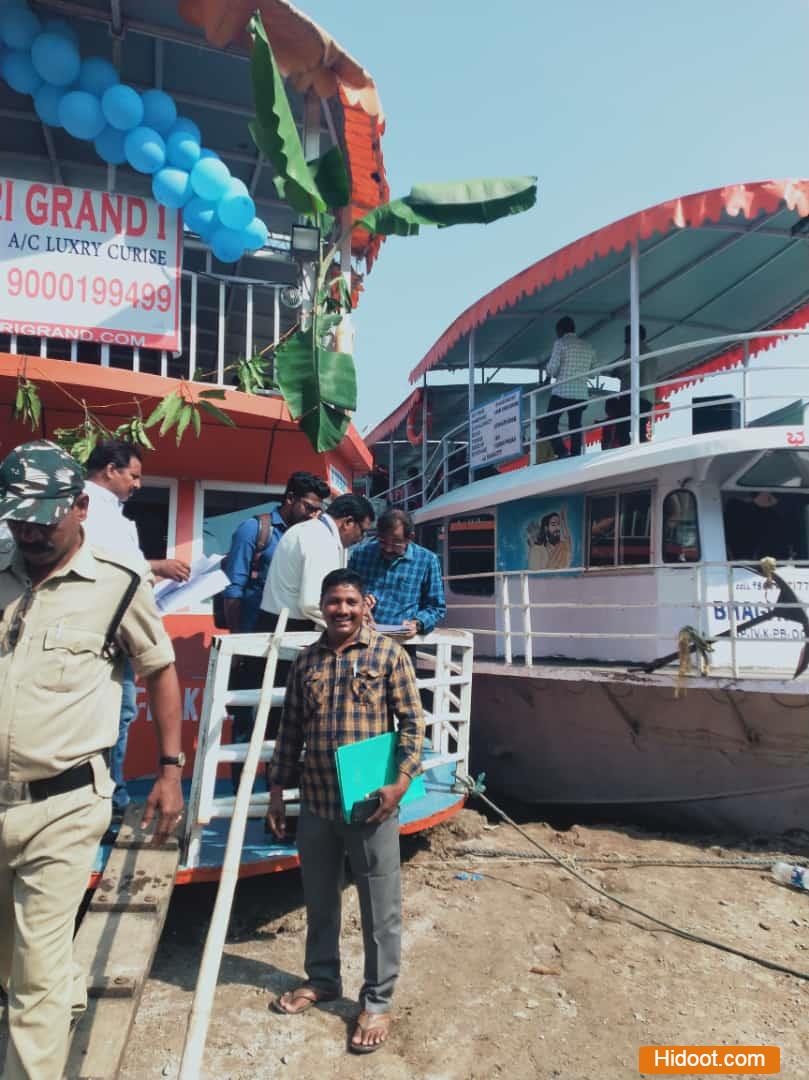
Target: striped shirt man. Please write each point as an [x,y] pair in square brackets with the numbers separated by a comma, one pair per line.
[571,361]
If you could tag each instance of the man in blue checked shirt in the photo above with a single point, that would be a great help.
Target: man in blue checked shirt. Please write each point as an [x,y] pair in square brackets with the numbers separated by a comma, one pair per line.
[401,578]
[247,562]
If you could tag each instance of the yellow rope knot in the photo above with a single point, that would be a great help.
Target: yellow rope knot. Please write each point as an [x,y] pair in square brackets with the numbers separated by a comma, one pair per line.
[768,567]
[689,640]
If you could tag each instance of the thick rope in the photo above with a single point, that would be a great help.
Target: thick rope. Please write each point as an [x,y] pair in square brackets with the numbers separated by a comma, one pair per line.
[476,789]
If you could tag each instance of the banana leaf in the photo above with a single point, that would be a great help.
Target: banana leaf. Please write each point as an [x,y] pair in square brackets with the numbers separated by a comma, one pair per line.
[274,131]
[319,387]
[462,202]
[331,178]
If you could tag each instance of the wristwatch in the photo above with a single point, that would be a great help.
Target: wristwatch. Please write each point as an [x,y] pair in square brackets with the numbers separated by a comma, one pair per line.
[179,761]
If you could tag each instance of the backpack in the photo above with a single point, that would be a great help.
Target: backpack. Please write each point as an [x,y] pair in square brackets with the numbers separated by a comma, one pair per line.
[264,529]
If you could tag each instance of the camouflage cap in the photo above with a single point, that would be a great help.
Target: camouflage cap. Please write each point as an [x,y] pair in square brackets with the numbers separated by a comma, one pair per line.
[39,482]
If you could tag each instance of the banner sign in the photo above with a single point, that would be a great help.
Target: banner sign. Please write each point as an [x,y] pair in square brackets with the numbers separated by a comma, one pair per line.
[89,265]
[494,430]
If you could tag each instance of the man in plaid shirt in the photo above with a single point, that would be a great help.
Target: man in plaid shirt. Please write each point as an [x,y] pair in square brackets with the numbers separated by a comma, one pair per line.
[571,361]
[402,579]
[346,687]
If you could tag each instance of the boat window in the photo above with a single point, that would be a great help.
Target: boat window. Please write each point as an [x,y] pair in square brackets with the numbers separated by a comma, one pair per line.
[630,544]
[223,510]
[635,537]
[601,518]
[760,523]
[431,536]
[149,509]
[471,551]
[680,528]
[778,469]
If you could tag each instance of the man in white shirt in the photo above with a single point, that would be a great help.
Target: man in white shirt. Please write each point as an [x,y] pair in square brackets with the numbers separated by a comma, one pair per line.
[305,554]
[570,363]
[113,476]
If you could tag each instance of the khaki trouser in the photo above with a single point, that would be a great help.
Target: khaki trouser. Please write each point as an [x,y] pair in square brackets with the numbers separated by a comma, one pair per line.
[47,851]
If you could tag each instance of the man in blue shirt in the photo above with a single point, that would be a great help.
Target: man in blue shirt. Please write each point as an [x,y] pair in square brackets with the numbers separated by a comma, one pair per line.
[402,579]
[303,499]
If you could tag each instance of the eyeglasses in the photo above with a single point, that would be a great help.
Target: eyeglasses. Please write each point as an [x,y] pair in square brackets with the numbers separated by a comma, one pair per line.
[18,622]
[312,509]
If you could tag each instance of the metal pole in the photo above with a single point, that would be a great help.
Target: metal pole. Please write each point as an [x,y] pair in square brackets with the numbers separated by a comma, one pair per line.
[745,382]
[424,415]
[391,455]
[471,358]
[220,350]
[192,330]
[634,346]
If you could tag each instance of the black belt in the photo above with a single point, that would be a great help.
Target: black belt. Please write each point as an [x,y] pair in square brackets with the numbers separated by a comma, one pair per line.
[77,777]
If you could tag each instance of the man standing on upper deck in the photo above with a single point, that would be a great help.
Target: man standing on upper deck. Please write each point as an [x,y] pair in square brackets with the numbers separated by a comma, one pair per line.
[571,361]
[113,476]
[401,578]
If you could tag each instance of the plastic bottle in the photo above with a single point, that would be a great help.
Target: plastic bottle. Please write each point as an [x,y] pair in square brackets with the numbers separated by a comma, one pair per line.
[787,874]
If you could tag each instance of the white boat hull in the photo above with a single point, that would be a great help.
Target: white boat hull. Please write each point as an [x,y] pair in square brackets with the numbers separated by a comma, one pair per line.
[716,759]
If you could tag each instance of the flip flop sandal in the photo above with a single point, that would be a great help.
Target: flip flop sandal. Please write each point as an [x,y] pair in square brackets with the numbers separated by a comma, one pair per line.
[308,993]
[378,1021]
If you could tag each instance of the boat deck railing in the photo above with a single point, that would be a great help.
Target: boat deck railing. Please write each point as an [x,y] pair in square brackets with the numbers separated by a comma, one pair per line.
[446,462]
[443,661]
[530,616]
[222,317]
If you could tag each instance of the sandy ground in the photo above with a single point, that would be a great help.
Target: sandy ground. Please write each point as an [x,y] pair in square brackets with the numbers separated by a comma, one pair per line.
[469,1006]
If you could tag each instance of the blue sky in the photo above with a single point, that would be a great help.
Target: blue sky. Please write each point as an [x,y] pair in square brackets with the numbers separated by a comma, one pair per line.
[613,106]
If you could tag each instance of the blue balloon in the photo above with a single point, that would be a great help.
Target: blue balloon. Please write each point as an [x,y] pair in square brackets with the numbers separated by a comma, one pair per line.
[200,216]
[110,146]
[182,149]
[80,114]
[56,58]
[226,244]
[61,26]
[159,111]
[145,150]
[19,27]
[255,235]
[46,103]
[172,187]
[97,76]
[20,73]
[236,208]
[210,178]
[205,153]
[122,106]
[184,124]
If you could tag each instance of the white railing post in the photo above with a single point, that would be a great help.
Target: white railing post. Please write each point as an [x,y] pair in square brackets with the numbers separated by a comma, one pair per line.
[192,330]
[471,403]
[525,591]
[745,382]
[734,666]
[445,468]
[634,335]
[532,428]
[425,412]
[504,600]
[248,329]
[220,350]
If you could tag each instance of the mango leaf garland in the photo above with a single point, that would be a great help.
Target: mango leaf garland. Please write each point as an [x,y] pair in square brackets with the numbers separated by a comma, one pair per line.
[177,409]
[27,405]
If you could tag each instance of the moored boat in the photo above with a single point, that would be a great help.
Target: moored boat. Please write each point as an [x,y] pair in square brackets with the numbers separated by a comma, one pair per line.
[596,584]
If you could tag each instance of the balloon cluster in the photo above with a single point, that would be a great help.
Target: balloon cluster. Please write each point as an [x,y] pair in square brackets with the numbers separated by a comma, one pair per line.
[88,100]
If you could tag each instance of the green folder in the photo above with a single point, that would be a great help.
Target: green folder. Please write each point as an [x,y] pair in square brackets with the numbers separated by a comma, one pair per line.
[364,766]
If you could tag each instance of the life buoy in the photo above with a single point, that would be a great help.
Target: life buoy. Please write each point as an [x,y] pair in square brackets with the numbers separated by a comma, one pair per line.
[415,434]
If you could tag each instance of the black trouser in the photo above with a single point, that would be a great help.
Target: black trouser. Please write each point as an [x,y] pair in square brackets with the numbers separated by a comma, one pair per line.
[247,673]
[549,425]
[624,427]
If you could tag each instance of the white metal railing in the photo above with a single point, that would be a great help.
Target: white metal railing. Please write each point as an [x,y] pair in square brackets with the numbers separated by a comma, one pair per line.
[223,317]
[444,670]
[447,463]
[517,623]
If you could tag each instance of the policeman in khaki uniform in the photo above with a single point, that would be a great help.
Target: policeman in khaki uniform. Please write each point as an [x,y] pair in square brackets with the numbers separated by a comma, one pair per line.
[60,696]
